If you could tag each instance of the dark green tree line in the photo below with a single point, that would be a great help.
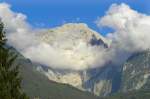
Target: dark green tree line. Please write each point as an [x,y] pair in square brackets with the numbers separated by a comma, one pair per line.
[10,80]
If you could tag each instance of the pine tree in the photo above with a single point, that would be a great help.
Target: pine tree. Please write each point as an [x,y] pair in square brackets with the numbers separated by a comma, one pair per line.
[10,80]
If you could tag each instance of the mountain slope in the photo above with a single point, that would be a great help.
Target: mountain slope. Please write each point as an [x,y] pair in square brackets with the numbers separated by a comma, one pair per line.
[135,78]
[36,84]
[141,94]
[136,72]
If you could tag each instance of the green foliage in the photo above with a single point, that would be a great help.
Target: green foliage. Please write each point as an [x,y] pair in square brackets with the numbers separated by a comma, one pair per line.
[10,80]
[2,35]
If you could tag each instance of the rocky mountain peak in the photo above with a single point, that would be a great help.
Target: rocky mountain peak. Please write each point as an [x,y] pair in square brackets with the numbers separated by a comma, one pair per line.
[72,34]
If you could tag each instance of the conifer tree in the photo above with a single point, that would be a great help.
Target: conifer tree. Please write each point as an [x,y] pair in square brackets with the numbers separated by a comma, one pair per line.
[10,80]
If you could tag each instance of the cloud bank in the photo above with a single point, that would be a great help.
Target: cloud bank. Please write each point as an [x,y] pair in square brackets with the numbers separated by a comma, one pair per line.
[131,35]
[21,35]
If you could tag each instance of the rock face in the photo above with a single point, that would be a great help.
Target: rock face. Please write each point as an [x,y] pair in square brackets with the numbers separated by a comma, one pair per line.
[64,76]
[103,81]
[136,72]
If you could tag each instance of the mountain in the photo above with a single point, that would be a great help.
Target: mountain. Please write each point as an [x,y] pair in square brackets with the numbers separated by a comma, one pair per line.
[68,38]
[38,85]
[101,81]
[129,81]
[71,34]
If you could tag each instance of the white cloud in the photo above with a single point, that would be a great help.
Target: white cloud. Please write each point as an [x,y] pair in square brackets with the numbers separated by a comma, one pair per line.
[76,59]
[131,35]
[23,38]
[19,33]
[132,31]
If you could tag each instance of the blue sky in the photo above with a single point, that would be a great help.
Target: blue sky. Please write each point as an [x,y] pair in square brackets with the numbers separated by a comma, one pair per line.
[51,13]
